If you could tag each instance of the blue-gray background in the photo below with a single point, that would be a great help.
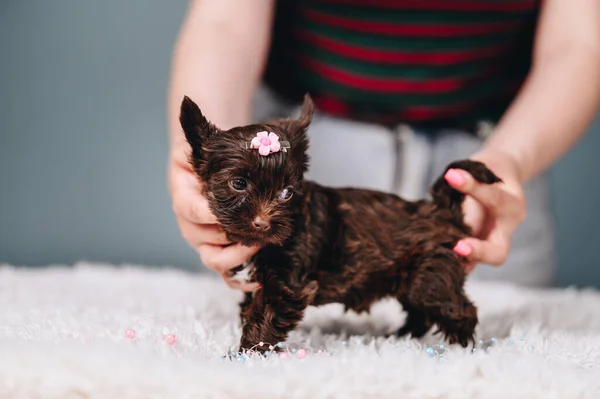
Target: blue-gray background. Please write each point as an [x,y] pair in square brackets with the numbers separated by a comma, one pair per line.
[83,142]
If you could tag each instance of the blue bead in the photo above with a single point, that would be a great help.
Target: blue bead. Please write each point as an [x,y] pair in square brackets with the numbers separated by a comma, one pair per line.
[493,339]
[280,344]
[510,342]
[344,343]
[267,353]
[430,351]
[480,342]
[293,350]
[242,358]
[522,338]
[442,347]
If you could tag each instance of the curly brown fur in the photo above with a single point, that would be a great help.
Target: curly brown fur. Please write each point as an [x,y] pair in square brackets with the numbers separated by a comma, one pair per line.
[324,245]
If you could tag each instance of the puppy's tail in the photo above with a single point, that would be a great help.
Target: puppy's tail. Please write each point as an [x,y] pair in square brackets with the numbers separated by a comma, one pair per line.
[445,196]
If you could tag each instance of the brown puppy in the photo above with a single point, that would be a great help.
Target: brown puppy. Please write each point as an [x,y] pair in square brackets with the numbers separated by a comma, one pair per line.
[322,245]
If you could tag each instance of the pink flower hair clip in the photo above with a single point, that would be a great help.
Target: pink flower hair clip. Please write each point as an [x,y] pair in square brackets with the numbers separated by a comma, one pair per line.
[267,143]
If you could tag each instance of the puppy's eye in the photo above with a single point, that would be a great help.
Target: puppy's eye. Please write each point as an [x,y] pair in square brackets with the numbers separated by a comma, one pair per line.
[238,184]
[286,193]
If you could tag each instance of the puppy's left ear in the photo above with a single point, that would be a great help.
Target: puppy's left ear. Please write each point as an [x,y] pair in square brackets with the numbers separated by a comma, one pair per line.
[196,127]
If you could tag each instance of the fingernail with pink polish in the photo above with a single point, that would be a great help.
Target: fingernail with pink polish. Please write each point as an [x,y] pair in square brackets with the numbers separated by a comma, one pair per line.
[454,177]
[462,248]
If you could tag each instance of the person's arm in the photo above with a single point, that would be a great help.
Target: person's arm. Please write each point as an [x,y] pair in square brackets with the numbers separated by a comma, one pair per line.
[552,111]
[561,95]
[219,58]
[218,61]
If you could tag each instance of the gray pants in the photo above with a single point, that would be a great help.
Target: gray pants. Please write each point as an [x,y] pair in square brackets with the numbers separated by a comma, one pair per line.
[406,161]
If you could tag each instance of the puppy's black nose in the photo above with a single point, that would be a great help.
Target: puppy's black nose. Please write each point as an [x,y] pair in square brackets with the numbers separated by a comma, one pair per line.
[260,224]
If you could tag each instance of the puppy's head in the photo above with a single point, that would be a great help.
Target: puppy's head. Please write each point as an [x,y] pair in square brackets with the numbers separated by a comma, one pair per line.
[255,197]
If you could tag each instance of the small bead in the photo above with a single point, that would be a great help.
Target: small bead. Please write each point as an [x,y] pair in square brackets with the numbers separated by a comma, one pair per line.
[283,356]
[270,347]
[344,343]
[261,343]
[242,358]
[442,347]
[430,351]
[170,339]
[293,351]
[493,339]
[510,342]
[480,342]
[267,353]
[301,353]
[129,333]
[522,338]
[280,344]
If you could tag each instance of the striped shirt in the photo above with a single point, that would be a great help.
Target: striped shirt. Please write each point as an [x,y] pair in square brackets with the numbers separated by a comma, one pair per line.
[438,62]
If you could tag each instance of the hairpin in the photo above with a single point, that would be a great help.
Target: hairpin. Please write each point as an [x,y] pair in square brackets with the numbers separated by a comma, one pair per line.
[267,143]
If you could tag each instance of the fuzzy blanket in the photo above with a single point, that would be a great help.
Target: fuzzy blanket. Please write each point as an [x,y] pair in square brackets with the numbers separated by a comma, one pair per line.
[97,331]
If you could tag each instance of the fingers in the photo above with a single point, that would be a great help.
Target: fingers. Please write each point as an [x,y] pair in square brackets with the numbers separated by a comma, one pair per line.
[238,285]
[493,251]
[200,228]
[222,259]
[493,197]
[199,234]
[190,205]
[188,201]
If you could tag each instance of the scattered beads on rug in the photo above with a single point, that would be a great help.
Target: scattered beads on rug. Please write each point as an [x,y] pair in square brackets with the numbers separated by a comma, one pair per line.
[438,351]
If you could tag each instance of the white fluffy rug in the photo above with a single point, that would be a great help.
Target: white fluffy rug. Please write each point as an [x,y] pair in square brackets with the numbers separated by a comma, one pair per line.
[63,335]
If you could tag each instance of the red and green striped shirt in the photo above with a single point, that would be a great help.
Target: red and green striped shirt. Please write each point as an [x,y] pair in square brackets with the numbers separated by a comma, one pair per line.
[425,62]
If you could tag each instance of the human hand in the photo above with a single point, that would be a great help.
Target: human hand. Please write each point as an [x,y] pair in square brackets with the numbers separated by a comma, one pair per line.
[199,227]
[492,211]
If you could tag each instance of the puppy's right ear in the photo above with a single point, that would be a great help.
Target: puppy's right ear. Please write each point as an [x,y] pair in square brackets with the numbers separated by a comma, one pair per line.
[195,126]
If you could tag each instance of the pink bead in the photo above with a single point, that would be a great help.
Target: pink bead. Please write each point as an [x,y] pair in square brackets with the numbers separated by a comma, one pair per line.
[261,343]
[170,339]
[301,353]
[270,347]
[129,333]
[283,356]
